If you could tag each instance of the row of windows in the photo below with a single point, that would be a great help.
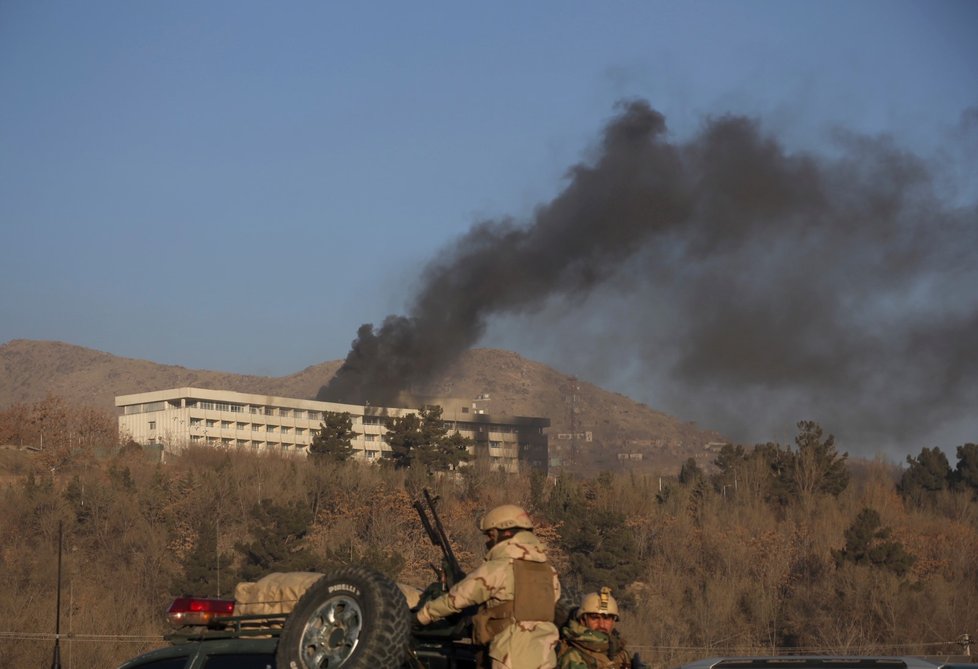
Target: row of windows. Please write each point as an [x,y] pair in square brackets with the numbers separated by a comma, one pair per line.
[229,425]
[245,443]
[253,427]
[225,441]
[258,410]
[131,409]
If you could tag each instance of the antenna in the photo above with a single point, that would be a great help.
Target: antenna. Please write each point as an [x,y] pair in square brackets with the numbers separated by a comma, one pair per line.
[56,661]
[217,552]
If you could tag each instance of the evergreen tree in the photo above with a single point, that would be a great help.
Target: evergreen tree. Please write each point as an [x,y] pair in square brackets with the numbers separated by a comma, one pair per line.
[600,545]
[779,461]
[422,439]
[925,475]
[690,473]
[332,441]
[203,566]
[731,463]
[816,467]
[405,439]
[277,546]
[729,459]
[966,473]
[868,543]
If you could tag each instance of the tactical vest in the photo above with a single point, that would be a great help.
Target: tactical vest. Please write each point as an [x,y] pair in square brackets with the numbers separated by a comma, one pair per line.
[533,599]
[594,659]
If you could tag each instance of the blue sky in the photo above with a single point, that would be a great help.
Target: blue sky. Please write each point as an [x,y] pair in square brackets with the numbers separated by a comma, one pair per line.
[239,185]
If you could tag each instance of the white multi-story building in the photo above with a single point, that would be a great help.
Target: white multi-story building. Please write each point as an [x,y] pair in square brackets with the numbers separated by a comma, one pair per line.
[179,417]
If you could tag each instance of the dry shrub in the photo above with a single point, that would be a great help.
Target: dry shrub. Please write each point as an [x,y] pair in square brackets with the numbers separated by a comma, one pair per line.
[721,570]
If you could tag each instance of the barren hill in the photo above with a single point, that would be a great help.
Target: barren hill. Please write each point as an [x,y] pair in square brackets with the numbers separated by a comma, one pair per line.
[31,370]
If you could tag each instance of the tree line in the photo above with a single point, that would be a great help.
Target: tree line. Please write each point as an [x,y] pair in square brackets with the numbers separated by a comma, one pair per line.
[771,548]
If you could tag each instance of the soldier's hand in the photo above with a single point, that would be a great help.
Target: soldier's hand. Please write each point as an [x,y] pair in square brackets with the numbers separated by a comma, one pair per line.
[423,617]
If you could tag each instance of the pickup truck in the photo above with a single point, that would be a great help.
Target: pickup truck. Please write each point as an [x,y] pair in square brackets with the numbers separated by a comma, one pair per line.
[352,618]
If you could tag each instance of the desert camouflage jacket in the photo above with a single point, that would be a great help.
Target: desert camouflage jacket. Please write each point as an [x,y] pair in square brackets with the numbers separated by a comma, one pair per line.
[522,645]
[583,648]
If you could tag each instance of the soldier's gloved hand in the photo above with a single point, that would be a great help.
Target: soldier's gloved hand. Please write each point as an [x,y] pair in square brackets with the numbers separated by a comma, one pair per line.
[423,617]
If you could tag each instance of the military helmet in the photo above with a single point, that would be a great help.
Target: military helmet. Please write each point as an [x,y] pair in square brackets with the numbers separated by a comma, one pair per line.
[506,517]
[599,602]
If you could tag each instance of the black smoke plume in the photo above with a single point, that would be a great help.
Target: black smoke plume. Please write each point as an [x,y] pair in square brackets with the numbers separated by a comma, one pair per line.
[758,281]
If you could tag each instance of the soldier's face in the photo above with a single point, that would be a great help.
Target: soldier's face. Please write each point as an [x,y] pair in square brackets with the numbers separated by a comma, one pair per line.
[491,536]
[602,622]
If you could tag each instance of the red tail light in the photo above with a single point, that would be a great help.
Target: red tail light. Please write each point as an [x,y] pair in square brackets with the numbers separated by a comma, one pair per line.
[198,610]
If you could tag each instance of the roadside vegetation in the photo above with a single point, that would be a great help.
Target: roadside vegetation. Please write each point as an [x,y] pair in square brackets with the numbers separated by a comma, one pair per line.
[772,548]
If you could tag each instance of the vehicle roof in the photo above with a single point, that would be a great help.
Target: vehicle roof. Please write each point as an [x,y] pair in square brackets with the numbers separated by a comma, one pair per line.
[812,662]
[205,647]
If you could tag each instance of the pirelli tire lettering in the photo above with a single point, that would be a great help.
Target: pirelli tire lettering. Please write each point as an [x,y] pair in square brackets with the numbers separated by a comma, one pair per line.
[353,618]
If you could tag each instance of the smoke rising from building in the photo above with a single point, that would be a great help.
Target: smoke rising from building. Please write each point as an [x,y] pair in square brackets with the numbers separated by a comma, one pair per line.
[756,282]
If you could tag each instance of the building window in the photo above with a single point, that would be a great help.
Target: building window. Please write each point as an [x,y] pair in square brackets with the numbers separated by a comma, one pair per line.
[211,422]
[152,425]
[225,425]
[195,422]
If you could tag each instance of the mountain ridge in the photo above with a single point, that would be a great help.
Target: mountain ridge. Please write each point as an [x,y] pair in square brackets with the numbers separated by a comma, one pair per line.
[619,427]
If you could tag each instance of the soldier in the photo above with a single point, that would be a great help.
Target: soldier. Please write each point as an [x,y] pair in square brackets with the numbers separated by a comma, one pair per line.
[590,641]
[515,589]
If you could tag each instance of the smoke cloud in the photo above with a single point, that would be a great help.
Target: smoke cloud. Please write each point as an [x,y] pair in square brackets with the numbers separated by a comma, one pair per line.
[754,286]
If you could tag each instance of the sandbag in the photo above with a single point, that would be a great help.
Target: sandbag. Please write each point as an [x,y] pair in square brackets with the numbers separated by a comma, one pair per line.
[278,592]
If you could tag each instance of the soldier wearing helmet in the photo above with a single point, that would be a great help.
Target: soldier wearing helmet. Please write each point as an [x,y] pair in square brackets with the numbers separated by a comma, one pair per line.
[590,640]
[515,590]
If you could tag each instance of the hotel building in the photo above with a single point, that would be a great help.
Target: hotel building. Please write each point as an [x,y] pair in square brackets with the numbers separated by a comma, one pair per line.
[180,417]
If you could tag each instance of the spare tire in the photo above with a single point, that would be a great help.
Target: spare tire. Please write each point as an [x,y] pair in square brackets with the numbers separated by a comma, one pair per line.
[353,618]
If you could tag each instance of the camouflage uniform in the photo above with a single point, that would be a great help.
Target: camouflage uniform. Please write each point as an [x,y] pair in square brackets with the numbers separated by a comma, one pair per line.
[527,644]
[583,648]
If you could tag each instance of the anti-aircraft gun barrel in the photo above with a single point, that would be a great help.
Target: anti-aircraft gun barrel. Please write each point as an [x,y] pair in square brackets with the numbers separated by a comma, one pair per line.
[436,533]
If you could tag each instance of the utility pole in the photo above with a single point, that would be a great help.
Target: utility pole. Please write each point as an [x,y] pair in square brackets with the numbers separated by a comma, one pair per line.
[573,415]
[56,661]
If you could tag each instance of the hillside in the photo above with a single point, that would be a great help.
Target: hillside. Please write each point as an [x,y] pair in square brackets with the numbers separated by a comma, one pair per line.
[31,370]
